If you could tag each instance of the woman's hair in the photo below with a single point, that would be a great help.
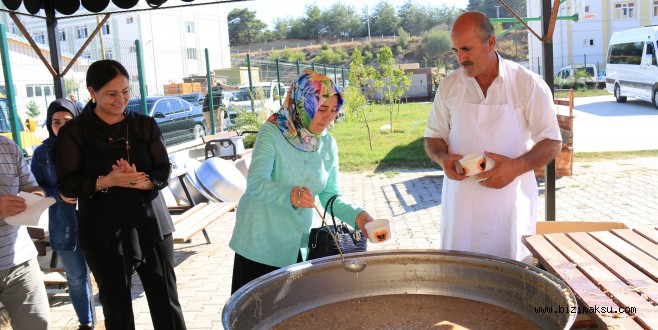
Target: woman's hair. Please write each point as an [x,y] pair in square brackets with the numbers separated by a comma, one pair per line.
[103,71]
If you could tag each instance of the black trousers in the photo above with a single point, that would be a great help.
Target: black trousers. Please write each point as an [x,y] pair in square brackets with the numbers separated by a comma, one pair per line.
[158,280]
[246,270]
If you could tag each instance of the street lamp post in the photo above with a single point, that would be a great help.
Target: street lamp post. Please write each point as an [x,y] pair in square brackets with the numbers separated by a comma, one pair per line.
[368,21]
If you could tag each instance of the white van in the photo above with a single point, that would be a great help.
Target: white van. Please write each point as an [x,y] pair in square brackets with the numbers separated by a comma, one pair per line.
[631,68]
[566,77]
[266,96]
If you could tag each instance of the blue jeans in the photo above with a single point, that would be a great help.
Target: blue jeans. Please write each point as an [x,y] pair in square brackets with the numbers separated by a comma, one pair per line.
[78,281]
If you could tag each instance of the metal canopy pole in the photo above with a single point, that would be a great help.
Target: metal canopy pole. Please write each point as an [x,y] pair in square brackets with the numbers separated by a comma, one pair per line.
[55,52]
[547,49]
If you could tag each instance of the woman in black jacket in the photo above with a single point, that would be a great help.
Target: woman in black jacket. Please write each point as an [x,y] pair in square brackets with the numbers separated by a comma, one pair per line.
[115,162]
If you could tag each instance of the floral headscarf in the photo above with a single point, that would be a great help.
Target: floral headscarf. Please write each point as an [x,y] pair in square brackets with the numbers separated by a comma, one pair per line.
[307,93]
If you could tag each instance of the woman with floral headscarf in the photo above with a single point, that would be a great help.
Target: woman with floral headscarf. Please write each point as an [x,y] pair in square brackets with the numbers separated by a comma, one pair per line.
[294,160]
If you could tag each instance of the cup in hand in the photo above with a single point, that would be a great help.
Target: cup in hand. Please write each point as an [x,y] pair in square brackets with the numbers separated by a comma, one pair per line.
[475,163]
[378,230]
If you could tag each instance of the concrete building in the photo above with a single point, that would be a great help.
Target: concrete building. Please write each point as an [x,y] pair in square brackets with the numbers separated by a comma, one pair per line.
[173,45]
[586,41]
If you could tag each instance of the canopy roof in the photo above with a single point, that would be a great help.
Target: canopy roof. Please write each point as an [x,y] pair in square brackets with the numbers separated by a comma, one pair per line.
[70,7]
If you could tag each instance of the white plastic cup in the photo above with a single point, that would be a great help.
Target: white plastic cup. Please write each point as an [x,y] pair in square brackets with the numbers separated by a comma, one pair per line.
[475,163]
[378,230]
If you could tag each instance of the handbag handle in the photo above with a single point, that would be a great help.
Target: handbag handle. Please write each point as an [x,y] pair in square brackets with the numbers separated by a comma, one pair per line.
[330,206]
[356,236]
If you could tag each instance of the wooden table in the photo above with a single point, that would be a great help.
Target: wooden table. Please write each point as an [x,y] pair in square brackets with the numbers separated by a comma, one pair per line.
[606,270]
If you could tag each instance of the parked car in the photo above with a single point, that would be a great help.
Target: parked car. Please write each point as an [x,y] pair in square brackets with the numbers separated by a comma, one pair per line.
[266,96]
[179,120]
[600,80]
[566,77]
[29,140]
[195,98]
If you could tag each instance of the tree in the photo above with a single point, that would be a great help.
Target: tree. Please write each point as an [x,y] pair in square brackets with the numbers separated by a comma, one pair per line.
[243,26]
[394,82]
[312,22]
[441,15]
[413,18]
[493,9]
[71,86]
[384,20]
[33,110]
[296,29]
[349,24]
[280,30]
[356,94]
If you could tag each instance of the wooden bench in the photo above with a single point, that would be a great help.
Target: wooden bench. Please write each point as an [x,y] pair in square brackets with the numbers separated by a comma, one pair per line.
[198,218]
[226,140]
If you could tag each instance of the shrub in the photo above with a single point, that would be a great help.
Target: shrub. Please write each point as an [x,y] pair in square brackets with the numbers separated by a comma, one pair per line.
[437,42]
[403,38]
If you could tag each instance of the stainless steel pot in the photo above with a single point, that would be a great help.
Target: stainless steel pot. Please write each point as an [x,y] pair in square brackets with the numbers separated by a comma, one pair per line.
[509,284]
[197,192]
[221,179]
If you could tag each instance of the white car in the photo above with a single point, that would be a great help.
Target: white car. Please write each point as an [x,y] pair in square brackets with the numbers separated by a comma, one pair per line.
[266,96]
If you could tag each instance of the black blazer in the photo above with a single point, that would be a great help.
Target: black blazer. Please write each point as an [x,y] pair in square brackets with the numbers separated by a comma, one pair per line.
[126,221]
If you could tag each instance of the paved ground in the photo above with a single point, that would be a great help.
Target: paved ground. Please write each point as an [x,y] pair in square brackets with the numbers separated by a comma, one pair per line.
[624,191]
[602,124]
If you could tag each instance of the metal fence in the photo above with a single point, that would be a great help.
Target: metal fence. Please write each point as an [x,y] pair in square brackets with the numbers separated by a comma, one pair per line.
[175,99]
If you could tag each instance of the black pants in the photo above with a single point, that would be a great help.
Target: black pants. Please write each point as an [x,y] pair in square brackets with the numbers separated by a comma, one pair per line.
[158,280]
[245,270]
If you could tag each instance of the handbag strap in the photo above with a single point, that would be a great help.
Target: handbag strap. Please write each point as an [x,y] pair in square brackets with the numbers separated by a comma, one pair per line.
[330,206]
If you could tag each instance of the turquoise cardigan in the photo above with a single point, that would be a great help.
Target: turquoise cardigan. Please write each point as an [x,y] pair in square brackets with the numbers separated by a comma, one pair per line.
[268,229]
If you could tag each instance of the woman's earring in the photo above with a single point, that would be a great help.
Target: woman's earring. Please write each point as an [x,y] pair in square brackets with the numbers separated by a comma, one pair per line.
[93,100]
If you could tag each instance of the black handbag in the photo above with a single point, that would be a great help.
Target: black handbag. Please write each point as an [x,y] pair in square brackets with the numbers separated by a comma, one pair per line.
[321,244]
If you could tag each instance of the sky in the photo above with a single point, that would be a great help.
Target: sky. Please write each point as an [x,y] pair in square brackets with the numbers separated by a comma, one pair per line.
[268,10]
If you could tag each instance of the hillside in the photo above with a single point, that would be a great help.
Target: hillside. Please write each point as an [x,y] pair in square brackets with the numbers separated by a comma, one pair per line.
[513,45]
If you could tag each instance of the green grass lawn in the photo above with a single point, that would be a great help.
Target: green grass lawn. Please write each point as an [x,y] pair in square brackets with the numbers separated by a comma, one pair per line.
[404,147]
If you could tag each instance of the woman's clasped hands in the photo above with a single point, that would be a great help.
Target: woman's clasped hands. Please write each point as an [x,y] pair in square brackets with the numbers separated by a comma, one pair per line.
[125,175]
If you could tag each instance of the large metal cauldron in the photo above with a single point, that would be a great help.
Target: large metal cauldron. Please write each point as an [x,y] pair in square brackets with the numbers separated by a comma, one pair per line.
[506,283]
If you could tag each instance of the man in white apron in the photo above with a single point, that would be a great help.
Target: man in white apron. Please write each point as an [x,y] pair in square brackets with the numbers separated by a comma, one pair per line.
[498,108]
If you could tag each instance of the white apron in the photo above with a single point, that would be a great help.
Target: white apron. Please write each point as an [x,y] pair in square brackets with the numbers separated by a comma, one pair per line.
[485,220]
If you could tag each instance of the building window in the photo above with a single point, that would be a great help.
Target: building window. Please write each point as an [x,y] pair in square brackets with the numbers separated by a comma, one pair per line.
[108,54]
[624,10]
[81,32]
[191,53]
[85,55]
[29,90]
[105,30]
[655,8]
[39,37]
[586,8]
[62,35]
[189,27]
[37,91]
[13,28]
[129,20]
[47,91]
[588,42]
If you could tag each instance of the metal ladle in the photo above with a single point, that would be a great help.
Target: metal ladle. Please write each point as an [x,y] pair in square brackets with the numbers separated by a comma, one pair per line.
[354,266]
